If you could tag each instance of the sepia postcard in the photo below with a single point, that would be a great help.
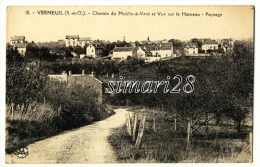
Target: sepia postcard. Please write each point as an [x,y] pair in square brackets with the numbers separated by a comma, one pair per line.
[129,84]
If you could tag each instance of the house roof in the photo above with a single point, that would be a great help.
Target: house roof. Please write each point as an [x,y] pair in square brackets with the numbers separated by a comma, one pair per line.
[144,49]
[89,44]
[85,39]
[226,40]
[20,45]
[72,36]
[152,47]
[123,49]
[161,46]
[166,46]
[190,45]
[17,38]
[208,41]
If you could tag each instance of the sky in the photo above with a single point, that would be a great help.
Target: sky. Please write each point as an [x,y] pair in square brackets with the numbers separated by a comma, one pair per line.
[236,22]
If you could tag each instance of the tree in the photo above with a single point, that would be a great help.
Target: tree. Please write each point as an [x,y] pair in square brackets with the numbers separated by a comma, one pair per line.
[23,83]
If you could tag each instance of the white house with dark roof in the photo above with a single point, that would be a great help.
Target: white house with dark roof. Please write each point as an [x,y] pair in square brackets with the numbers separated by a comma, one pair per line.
[75,40]
[90,51]
[19,43]
[154,49]
[166,49]
[21,48]
[227,44]
[191,48]
[17,39]
[72,40]
[84,41]
[163,49]
[143,52]
[122,53]
[208,44]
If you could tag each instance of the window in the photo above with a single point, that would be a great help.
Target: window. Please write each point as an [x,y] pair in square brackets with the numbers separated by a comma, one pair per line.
[68,42]
[73,42]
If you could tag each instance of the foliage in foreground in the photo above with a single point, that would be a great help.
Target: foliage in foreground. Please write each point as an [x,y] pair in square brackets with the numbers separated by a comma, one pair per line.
[37,108]
[167,145]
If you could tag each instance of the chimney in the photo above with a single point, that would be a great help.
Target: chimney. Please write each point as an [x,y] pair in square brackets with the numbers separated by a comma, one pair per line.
[83,72]
[92,74]
[70,73]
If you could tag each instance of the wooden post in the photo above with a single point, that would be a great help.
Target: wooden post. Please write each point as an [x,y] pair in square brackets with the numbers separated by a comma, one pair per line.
[129,124]
[251,143]
[175,121]
[153,121]
[207,125]
[188,134]
[140,133]
[175,124]
[12,106]
[44,100]
[126,122]
[135,125]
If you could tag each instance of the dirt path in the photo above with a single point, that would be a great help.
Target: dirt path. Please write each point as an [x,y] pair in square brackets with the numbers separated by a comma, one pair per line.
[87,144]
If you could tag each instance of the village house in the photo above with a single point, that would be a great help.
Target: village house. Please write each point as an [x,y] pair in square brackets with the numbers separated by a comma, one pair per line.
[88,80]
[21,48]
[94,50]
[142,52]
[227,45]
[122,53]
[162,50]
[99,49]
[19,43]
[166,49]
[75,40]
[208,45]
[84,41]
[72,40]
[191,48]
[90,51]
[154,49]
[17,39]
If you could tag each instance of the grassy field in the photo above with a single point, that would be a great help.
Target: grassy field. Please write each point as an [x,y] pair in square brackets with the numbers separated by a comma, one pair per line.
[167,145]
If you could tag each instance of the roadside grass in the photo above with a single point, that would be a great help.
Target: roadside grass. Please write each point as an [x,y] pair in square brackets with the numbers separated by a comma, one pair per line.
[166,145]
[40,122]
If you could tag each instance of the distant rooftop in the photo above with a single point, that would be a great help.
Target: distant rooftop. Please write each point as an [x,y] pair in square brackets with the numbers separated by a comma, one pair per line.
[85,39]
[123,49]
[72,36]
[17,38]
[20,45]
[190,45]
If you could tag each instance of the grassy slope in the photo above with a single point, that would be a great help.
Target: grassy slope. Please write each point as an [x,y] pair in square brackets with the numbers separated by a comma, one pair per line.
[168,145]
